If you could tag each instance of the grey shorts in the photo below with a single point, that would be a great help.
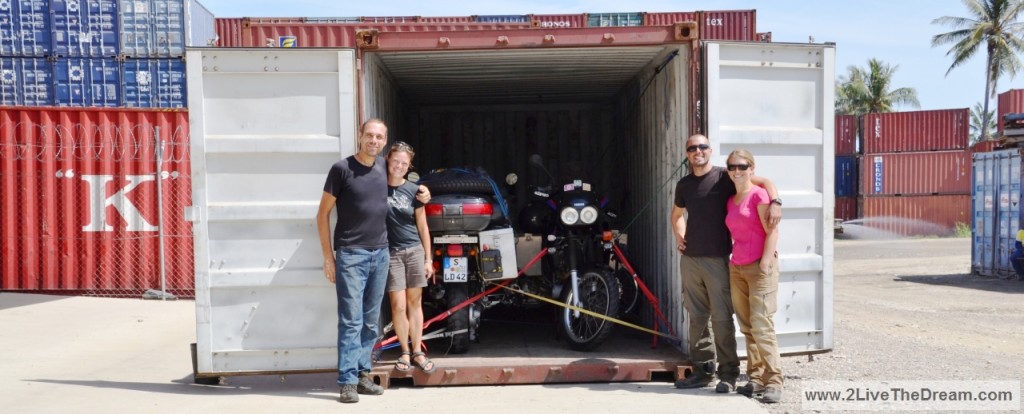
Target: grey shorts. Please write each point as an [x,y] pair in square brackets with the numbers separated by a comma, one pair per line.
[405,270]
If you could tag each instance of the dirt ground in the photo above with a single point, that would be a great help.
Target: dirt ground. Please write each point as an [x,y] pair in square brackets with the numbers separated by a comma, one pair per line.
[910,310]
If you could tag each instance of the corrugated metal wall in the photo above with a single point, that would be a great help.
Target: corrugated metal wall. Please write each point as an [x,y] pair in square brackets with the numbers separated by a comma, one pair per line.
[946,129]
[1010,102]
[382,99]
[917,215]
[846,135]
[656,134]
[996,198]
[79,201]
[916,173]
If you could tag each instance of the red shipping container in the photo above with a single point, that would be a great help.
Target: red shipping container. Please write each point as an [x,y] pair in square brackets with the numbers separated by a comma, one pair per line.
[846,208]
[986,146]
[333,34]
[740,25]
[940,130]
[1010,102]
[917,215]
[846,134]
[229,32]
[79,207]
[559,21]
[915,173]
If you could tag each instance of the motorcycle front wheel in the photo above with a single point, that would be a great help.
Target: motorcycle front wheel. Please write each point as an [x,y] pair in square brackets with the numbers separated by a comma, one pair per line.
[599,293]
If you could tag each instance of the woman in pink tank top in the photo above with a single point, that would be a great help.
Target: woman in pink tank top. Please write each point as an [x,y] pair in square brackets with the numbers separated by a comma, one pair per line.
[754,277]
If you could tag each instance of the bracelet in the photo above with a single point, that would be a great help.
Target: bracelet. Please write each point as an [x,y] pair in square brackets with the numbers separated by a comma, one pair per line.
[430,261]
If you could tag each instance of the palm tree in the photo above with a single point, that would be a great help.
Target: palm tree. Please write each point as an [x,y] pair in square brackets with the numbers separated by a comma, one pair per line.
[868,90]
[978,117]
[993,25]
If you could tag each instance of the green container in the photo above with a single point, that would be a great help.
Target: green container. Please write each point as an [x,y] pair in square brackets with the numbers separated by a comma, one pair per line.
[615,19]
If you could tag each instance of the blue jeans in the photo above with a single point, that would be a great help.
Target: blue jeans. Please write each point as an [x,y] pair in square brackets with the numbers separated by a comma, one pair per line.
[361,276]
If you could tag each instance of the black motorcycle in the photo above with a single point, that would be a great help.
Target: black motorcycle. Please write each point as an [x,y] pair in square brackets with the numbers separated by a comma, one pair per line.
[577,225]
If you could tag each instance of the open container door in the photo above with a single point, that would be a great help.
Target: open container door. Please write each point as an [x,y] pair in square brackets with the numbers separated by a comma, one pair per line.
[776,100]
[266,125]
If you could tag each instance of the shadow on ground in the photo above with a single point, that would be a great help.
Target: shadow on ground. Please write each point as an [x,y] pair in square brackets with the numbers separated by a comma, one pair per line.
[967,281]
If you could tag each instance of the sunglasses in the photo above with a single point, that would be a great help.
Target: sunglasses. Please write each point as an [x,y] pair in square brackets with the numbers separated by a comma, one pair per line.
[694,148]
[734,167]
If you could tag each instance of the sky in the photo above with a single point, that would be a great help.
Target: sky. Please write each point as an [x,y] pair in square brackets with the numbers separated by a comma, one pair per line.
[897,32]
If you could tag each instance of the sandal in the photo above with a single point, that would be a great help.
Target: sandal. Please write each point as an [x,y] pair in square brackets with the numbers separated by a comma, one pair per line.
[402,366]
[423,365]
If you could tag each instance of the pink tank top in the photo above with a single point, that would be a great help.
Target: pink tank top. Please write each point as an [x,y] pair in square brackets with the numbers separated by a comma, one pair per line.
[744,223]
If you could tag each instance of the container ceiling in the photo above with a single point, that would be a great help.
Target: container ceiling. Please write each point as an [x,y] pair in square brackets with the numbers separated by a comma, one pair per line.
[515,76]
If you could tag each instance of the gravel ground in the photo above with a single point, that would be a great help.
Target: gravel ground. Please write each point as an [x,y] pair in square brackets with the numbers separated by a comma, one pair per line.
[910,310]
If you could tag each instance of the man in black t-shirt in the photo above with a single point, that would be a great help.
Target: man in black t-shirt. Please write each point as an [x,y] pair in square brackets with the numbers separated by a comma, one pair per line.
[358,262]
[698,221]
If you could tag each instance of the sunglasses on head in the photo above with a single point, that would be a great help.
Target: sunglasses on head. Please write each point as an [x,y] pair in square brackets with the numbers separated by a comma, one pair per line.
[734,167]
[694,148]
[401,145]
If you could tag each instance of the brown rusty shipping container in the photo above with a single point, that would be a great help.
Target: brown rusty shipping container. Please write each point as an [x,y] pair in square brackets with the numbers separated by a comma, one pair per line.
[1010,102]
[740,25]
[79,202]
[914,173]
[986,146]
[846,208]
[846,134]
[940,130]
[931,215]
[243,33]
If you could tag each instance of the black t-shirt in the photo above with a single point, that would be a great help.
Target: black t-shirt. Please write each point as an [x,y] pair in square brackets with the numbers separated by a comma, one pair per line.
[402,205]
[362,197]
[704,199]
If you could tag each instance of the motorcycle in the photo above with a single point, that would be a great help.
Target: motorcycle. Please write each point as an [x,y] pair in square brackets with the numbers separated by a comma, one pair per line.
[475,248]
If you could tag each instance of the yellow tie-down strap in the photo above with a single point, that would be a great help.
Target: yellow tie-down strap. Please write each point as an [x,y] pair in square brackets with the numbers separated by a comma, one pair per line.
[591,313]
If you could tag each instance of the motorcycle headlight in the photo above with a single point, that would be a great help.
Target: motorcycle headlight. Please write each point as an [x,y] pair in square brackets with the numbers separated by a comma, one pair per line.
[569,216]
[588,215]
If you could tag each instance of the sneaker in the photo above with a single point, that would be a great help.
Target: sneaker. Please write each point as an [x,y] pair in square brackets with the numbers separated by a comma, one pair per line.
[750,389]
[348,394]
[772,395]
[366,386]
[725,386]
[694,381]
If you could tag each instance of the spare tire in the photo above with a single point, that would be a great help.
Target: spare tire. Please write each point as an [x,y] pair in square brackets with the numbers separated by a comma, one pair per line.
[454,182]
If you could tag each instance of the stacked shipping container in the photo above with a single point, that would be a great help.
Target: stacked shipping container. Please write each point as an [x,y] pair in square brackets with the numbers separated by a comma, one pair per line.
[101,53]
[737,25]
[915,172]
[90,194]
[847,166]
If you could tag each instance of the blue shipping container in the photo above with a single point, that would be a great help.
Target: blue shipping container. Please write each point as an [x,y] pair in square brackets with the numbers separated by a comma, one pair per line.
[88,82]
[615,19]
[154,83]
[847,176]
[995,204]
[26,81]
[25,28]
[503,18]
[152,28]
[84,28]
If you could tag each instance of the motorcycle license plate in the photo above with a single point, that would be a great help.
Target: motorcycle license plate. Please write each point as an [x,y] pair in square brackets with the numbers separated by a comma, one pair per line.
[456,269]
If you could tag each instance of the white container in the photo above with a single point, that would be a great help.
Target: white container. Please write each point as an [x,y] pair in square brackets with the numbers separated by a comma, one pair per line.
[266,124]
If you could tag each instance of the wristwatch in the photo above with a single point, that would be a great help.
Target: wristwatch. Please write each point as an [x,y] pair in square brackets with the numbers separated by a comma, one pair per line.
[777,201]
